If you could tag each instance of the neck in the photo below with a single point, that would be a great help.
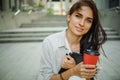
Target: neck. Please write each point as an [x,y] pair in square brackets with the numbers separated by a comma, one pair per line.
[73,39]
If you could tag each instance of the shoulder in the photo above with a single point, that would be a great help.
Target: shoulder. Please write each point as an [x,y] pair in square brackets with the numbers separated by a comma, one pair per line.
[55,37]
[55,40]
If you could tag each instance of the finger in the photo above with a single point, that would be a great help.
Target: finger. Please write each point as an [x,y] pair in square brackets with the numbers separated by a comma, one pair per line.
[69,57]
[81,63]
[65,60]
[82,69]
[86,76]
[91,72]
[91,69]
[89,66]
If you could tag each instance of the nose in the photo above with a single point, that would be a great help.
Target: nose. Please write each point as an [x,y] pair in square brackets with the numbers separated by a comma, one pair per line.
[81,23]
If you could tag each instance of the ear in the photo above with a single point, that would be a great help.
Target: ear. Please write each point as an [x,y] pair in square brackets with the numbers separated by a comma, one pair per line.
[68,18]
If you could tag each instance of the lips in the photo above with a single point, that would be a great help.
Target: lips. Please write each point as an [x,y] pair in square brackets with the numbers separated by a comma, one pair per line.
[79,29]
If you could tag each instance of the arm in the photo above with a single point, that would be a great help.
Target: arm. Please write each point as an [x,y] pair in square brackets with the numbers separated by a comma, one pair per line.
[65,75]
[68,63]
[79,70]
[46,69]
[48,73]
[90,79]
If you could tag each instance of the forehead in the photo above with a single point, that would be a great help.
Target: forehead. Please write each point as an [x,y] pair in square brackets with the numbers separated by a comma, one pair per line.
[86,11]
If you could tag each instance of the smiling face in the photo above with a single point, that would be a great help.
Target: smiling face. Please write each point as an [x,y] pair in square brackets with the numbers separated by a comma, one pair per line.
[80,21]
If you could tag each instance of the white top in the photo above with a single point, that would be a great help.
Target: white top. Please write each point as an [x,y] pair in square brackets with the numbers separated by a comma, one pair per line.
[54,48]
[67,45]
[53,51]
[70,51]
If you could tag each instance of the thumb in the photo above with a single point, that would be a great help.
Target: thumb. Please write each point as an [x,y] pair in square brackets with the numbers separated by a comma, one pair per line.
[81,62]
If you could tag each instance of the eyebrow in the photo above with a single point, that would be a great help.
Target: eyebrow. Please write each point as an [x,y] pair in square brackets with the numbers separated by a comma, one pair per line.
[82,15]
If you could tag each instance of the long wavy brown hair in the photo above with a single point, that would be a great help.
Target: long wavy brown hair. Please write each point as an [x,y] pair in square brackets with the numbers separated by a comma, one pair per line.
[96,36]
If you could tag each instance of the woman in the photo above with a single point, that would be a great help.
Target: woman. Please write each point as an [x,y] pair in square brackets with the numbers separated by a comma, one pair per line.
[84,32]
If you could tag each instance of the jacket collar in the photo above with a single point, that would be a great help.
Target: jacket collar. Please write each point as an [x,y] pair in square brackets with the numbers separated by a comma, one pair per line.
[61,42]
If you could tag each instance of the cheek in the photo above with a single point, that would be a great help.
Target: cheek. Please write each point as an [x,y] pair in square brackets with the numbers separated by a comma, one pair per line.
[76,20]
[73,22]
[87,28]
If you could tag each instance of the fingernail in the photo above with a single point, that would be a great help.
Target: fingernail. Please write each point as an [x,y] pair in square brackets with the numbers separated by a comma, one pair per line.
[65,61]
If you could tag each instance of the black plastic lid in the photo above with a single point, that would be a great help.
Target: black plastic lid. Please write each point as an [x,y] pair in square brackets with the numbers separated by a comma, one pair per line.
[92,52]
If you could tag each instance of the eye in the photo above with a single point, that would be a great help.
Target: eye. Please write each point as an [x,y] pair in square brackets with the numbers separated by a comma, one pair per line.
[89,20]
[78,15]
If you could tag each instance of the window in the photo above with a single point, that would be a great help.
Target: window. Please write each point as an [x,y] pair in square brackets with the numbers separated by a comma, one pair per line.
[113,3]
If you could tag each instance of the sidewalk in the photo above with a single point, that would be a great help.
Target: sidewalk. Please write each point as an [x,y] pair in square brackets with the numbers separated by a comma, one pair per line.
[20,61]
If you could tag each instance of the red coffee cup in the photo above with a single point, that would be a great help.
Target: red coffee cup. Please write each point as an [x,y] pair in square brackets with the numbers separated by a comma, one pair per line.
[90,56]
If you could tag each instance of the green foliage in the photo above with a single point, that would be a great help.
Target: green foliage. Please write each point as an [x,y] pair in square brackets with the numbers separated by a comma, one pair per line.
[26,10]
[40,5]
[50,11]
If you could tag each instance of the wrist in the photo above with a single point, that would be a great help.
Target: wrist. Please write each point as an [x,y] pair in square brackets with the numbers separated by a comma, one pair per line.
[67,74]
[75,70]
[89,78]
[61,77]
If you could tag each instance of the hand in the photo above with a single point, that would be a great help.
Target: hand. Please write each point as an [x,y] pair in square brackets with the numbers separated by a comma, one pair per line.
[68,62]
[84,71]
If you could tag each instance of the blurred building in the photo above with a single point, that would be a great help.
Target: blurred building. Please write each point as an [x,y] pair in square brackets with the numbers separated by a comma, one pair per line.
[11,5]
[109,9]
[106,4]
[7,5]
